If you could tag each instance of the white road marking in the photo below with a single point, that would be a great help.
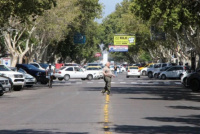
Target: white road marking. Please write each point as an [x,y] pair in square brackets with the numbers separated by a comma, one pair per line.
[123,82]
[133,82]
[79,83]
[167,83]
[177,83]
[90,82]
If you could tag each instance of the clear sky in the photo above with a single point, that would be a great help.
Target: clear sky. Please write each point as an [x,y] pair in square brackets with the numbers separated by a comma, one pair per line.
[109,7]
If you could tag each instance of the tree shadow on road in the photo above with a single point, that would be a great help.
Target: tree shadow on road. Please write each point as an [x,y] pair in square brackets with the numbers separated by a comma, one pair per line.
[30,131]
[155,129]
[191,120]
[169,93]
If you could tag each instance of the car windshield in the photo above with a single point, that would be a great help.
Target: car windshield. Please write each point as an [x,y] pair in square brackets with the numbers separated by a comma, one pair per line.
[62,68]
[164,69]
[43,65]
[94,65]
[31,66]
[4,68]
[71,64]
[22,71]
[133,67]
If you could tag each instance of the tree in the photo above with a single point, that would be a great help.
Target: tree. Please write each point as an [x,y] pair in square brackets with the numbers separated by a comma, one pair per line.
[83,24]
[179,18]
[18,24]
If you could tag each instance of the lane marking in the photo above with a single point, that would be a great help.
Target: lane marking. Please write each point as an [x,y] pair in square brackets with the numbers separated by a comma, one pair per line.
[123,82]
[90,82]
[106,116]
[177,83]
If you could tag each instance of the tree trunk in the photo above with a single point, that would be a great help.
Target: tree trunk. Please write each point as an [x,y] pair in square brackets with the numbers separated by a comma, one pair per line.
[14,60]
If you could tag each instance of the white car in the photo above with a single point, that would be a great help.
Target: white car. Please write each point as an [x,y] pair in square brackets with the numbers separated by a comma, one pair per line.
[157,73]
[133,71]
[95,69]
[6,84]
[172,72]
[37,65]
[119,69]
[157,67]
[73,72]
[16,77]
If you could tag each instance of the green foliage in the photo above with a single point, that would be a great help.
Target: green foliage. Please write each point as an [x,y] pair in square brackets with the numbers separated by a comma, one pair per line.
[22,9]
[122,21]
[168,15]
[83,23]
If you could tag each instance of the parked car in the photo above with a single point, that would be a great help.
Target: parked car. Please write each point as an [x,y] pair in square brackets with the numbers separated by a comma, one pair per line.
[44,65]
[71,64]
[144,69]
[73,72]
[95,64]
[29,79]
[6,84]
[157,67]
[172,72]
[95,69]
[1,90]
[16,77]
[39,74]
[37,65]
[157,73]
[133,71]
[119,69]
[192,80]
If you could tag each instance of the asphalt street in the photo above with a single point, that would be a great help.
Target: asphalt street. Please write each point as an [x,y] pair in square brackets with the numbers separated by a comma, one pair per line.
[135,106]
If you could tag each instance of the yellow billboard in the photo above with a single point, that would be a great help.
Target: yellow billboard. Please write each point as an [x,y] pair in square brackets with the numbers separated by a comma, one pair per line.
[124,40]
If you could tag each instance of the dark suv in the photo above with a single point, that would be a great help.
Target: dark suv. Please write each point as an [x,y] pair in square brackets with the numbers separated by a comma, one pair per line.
[39,74]
[193,81]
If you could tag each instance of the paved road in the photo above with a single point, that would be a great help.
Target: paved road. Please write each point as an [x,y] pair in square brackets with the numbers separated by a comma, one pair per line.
[135,106]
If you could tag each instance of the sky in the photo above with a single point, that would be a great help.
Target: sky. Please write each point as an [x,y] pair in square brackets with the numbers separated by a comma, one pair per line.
[109,7]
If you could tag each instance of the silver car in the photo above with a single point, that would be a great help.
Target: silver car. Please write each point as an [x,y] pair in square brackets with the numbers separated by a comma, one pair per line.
[6,83]
[29,79]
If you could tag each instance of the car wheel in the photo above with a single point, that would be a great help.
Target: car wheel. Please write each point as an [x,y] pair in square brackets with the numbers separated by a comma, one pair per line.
[89,77]
[163,77]
[185,82]
[155,76]
[60,79]
[181,75]
[1,93]
[127,76]
[66,77]
[17,88]
[195,86]
[138,76]
[144,73]
[150,75]
[82,79]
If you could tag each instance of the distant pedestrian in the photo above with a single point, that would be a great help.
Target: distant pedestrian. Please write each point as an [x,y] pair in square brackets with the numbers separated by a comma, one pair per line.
[115,70]
[107,78]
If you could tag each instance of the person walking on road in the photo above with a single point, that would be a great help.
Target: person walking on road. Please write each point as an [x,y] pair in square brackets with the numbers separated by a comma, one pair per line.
[107,78]
[115,70]
[49,73]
